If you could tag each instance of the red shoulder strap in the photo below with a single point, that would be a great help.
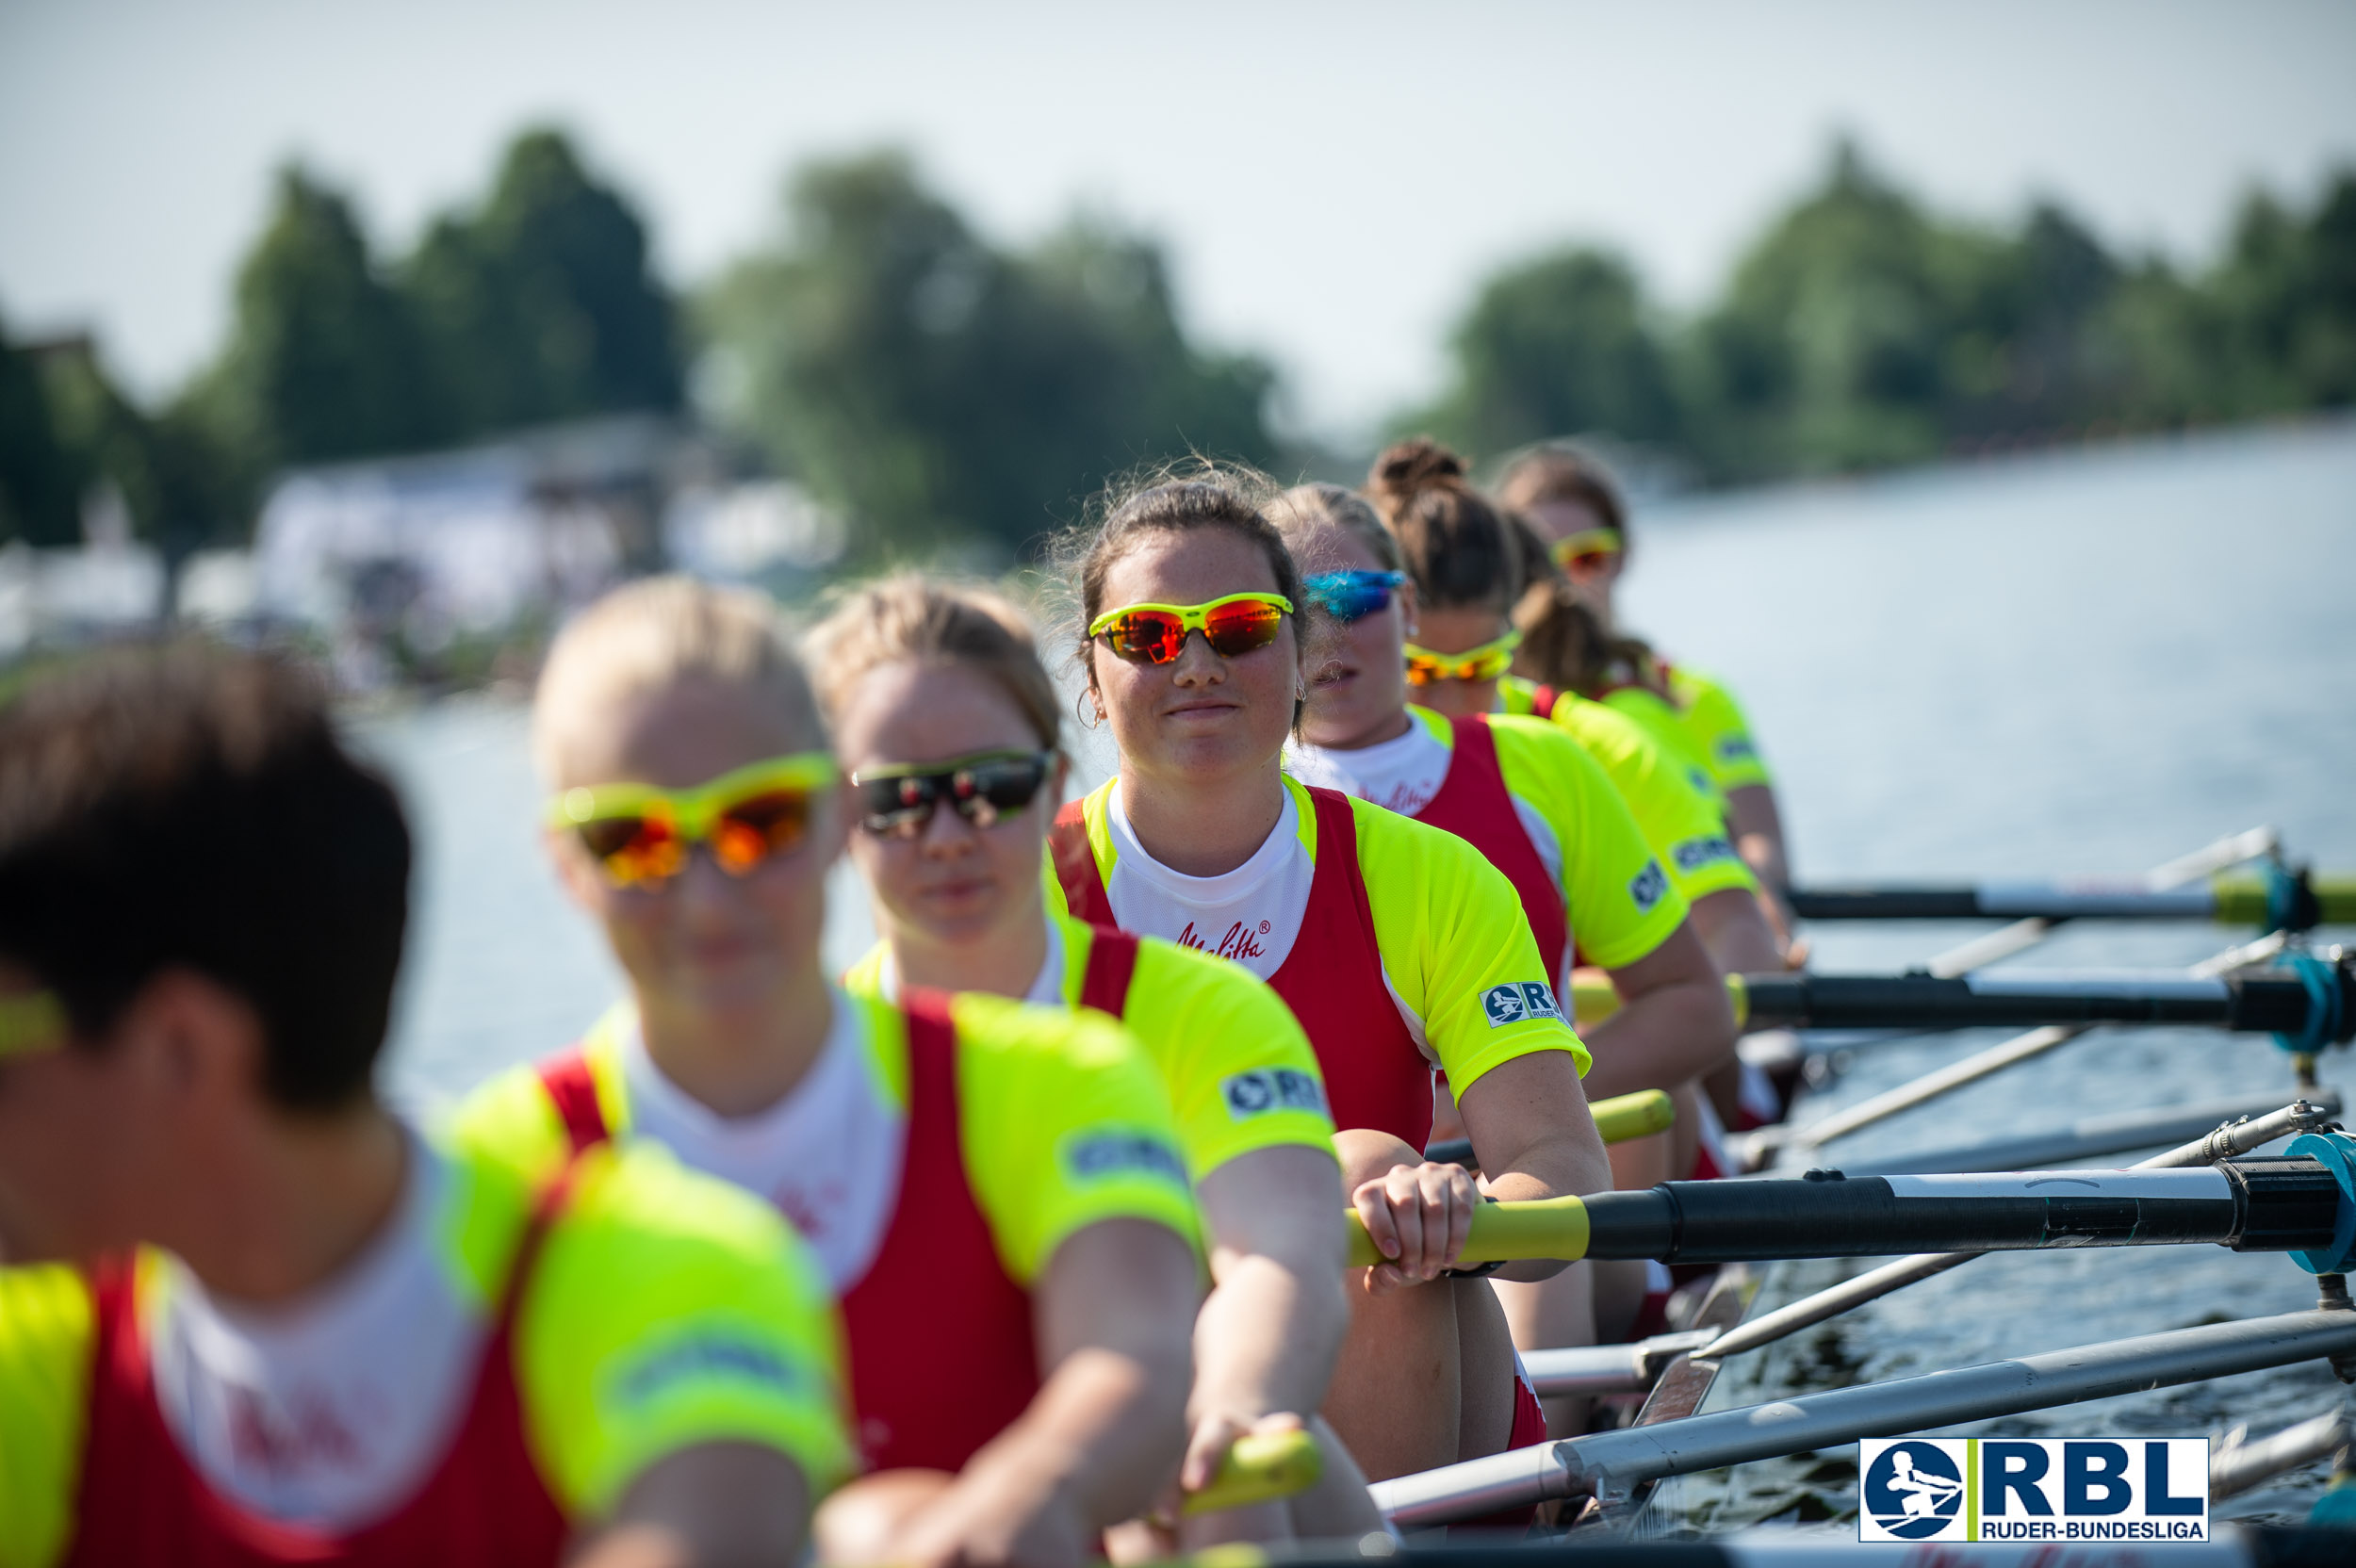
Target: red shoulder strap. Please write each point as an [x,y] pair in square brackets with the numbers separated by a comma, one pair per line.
[1542,701]
[574,1093]
[1076,866]
[1112,959]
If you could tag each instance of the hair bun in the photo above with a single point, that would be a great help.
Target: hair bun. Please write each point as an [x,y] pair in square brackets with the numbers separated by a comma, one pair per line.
[1420,463]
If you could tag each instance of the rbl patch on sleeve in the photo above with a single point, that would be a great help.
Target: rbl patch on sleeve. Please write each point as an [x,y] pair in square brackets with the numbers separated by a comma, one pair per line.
[1650,884]
[1511,1003]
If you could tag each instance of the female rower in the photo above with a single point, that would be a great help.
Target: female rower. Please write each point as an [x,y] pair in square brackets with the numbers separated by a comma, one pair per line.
[1577,511]
[1396,946]
[948,723]
[1020,1163]
[1519,789]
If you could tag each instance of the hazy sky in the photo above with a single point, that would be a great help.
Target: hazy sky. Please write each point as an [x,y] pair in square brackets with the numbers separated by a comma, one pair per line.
[1331,179]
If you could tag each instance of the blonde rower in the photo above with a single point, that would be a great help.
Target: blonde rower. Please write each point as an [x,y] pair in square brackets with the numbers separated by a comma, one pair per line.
[949,724]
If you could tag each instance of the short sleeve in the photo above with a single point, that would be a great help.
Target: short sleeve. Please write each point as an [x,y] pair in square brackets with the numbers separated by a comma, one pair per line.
[1721,730]
[1682,828]
[668,1311]
[45,1329]
[1457,947]
[1620,903]
[1065,1124]
[511,1120]
[1240,1069]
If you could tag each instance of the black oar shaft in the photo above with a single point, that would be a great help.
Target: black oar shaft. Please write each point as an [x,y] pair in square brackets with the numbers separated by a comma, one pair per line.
[2255,1206]
[2259,1004]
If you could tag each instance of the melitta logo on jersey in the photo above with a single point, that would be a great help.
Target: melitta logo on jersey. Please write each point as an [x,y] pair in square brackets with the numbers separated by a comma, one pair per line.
[1650,884]
[2069,1489]
[1240,944]
[1514,1003]
[1272,1088]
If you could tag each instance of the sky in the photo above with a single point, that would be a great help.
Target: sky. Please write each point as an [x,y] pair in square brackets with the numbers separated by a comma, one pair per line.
[1331,180]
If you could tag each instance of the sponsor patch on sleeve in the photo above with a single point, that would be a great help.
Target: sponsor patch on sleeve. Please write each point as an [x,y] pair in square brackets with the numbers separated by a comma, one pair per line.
[1694,854]
[1099,1156]
[1516,1001]
[1650,885]
[1737,748]
[707,1357]
[1265,1090]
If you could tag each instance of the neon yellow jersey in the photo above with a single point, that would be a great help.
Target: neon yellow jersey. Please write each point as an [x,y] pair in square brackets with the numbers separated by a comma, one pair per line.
[1599,852]
[1722,734]
[1448,925]
[1659,718]
[667,1311]
[1682,828]
[1240,1073]
[1034,1085]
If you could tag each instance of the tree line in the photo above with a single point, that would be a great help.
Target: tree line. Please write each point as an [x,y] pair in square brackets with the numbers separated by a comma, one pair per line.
[940,389]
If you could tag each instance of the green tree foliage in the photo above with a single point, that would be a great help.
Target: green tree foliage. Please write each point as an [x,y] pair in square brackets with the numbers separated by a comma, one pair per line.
[540,306]
[1565,342]
[1861,331]
[40,500]
[325,361]
[934,385]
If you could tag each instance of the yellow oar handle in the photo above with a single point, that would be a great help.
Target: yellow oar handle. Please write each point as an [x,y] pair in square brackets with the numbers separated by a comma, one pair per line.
[2243,898]
[1592,1001]
[1503,1233]
[1634,1116]
[1259,1469]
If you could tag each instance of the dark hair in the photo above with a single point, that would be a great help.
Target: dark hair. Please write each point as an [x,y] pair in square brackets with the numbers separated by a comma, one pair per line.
[1455,543]
[1565,644]
[1179,499]
[182,805]
[1563,473]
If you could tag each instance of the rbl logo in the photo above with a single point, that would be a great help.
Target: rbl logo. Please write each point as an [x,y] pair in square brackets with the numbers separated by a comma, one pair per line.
[2033,1489]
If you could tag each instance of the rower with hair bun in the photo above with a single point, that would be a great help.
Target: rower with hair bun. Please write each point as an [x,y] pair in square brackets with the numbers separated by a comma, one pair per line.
[996,1191]
[1396,946]
[950,726]
[1571,504]
[1520,789]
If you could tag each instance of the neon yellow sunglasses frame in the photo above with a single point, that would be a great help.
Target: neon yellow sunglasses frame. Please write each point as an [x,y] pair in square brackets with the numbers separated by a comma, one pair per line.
[31,1023]
[1485,662]
[695,814]
[1587,540]
[1192,617]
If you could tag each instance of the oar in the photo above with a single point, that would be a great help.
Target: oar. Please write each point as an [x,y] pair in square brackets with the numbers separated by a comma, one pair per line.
[1260,1468]
[1619,1118]
[2310,999]
[2302,1203]
[2285,901]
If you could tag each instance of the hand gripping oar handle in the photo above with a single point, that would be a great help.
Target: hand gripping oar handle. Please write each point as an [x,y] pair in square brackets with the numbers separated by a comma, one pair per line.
[1258,1469]
[1503,1233]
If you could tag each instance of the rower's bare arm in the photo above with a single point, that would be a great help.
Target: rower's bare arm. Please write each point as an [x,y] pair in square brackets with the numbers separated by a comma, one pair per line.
[1530,1126]
[1115,1313]
[1266,1340]
[1674,1021]
[1757,824]
[1732,924]
[716,1505]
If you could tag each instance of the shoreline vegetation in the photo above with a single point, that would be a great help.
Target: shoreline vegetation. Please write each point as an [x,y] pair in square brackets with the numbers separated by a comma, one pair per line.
[948,394]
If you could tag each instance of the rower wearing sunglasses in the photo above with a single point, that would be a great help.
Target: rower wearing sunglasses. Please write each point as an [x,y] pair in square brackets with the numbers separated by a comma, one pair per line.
[995,1191]
[1519,789]
[249,1315]
[1396,946]
[1570,501]
[949,722]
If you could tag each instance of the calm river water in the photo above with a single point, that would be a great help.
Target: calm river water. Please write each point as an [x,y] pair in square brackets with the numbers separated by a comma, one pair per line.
[2089,662]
